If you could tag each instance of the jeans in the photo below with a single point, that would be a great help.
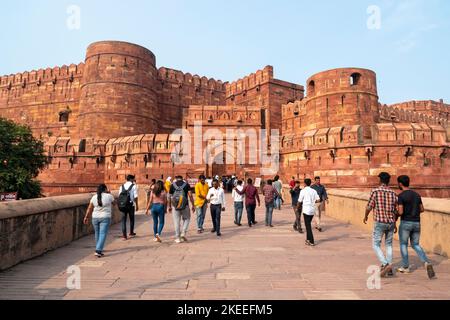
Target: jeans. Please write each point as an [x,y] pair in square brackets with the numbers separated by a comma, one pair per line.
[269,212]
[386,229]
[158,218]
[251,213]
[298,219]
[178,216]
[238,209]
[130,213]
[410,230]
[277,203]
[201,212]
[216,212]
[309,233]
[101,227]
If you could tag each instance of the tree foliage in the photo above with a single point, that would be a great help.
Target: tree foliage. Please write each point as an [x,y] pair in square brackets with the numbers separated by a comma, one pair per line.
[21,158]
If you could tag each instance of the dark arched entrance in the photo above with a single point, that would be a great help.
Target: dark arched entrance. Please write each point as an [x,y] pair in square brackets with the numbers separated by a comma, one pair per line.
[219,166]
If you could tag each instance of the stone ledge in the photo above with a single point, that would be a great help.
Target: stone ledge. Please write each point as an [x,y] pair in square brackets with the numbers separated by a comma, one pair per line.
[22,208]
[430,204]
[30,228]
[351,194]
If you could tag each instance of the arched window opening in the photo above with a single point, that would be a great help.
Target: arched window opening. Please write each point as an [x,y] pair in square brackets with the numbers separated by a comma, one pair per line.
[354,79]
[82,147]
[311,88]
[64,116]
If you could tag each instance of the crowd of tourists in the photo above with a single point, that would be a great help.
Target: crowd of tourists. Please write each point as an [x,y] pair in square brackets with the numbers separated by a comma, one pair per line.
[308,202]
[177,198]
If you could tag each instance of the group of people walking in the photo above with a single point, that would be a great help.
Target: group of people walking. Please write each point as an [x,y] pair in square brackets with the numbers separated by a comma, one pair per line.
[307,202]
[174,197]
[387,208]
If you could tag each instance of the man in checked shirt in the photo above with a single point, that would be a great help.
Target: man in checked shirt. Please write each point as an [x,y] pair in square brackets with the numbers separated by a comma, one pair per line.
[384,202]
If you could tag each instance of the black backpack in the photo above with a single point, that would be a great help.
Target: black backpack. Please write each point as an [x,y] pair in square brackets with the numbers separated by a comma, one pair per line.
[125,201]
[179,200]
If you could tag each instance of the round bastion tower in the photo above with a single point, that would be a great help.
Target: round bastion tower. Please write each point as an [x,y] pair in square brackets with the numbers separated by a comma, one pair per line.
[117,91]
[343,97]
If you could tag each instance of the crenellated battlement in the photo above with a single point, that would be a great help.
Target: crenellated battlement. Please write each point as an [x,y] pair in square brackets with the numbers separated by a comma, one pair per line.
[181,78]
[400,113]
[49,74]
[433,108]
[249,82]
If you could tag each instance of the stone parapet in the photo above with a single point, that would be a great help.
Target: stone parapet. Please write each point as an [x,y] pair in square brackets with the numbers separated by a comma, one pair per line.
[30,228]
[349,206]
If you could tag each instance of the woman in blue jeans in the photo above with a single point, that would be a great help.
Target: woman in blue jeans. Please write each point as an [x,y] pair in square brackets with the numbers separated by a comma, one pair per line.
[101,208]
[158,207]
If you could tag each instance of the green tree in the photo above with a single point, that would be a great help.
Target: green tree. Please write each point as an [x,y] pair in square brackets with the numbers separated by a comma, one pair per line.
[21,158]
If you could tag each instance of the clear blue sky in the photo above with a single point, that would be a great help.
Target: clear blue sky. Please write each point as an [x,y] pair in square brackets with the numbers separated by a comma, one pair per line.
[229,39]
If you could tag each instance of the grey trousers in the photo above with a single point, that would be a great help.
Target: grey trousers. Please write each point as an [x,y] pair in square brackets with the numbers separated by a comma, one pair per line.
[181,216]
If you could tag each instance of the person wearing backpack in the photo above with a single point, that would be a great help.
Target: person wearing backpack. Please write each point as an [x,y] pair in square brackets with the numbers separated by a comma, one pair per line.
[128,205]
[179,196]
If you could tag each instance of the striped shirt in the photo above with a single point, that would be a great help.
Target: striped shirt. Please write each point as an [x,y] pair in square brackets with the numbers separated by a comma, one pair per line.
[383,201]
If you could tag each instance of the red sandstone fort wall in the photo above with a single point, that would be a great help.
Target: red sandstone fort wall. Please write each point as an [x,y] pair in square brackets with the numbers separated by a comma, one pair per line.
[114,114]
[400,113]
[39,98]
[74,165]
[263,90]
[118,96]
[435,109]
[341,133]
[177,91]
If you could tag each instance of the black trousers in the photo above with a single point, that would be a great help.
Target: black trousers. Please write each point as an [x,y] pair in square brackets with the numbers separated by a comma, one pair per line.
[216,213]
[309,233]
[130,213]
[250,213]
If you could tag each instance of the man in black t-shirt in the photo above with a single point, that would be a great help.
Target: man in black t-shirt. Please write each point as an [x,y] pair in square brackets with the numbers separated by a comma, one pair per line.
[410,208]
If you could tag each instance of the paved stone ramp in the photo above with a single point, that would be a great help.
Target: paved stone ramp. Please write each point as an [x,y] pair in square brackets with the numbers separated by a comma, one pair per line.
[246,263]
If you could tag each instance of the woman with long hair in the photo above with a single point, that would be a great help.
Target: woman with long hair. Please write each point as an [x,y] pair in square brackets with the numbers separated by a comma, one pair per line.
[101,208]
[158,207]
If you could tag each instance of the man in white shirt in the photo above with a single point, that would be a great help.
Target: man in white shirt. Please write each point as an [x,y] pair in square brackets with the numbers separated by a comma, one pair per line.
[130,212]
[307,203]
[216,197]
[238,203]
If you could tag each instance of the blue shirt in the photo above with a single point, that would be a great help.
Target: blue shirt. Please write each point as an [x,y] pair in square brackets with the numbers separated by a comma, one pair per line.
[295,193]
[321,191]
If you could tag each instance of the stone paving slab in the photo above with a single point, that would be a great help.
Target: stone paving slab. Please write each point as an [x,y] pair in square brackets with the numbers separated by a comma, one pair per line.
[245,263]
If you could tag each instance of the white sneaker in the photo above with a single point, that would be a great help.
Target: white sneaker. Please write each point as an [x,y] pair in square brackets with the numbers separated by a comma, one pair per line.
[184,239]
[403,270]
[177,240]
[155,239]
[158,238]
